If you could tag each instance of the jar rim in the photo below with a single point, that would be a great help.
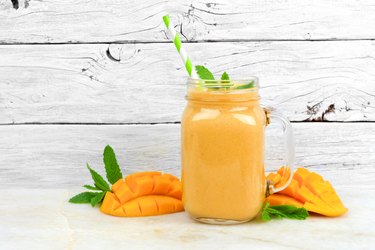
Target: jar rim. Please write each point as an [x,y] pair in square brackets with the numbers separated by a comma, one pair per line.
[249,83]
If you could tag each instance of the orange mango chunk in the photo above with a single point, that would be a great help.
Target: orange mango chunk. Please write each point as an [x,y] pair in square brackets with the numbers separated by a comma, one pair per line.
[323,211]
[274,178]
[175,189]
[279,199]
[144,194]
[284,175]
[301,175]
[284,172]
[110,203]
[291,190]
[148,205]
[309,189]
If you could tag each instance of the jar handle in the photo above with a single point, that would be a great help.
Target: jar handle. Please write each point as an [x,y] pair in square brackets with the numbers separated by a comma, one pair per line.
[273,115]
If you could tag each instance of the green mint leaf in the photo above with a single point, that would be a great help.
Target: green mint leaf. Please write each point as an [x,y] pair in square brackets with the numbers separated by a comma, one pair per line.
[112,168]
[98,180]
[246,86]
[265,206]
[264,214]
[275,213]
[225,76]
[84,197]
[225,82]
[204,73]
[283,211]
[292,212]
[301,214]
[286,209]
[89,187]
[97,198]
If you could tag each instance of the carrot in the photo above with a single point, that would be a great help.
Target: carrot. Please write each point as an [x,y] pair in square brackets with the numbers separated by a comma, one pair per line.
[144,194]
[307,188]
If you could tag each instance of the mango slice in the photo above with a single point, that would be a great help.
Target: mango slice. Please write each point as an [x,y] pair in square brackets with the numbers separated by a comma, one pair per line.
[279,199]
[309,189]
[144,194]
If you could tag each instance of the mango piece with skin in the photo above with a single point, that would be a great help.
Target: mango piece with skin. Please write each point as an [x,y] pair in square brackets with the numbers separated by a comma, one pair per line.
[310,189]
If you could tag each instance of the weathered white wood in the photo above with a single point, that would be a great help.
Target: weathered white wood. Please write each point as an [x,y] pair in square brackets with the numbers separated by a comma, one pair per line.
[46,156]
[85,83]
[116,20]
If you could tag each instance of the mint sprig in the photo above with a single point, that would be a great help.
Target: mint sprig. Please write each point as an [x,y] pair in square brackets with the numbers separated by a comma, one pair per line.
[113,173]
[98,180]
[89,187]
[111,166]
[84,197]
[204,73]
[225,76]
[246,86]
[283,211]
[97,198]
[224,82]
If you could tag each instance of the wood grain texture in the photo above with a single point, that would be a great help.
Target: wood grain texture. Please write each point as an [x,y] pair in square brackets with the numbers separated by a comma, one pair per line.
[144,83]
[72,21]
[47,156]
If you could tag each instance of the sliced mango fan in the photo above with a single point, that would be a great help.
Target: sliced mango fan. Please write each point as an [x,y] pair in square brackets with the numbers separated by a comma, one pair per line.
[139,194]
[144,194]
[308,190]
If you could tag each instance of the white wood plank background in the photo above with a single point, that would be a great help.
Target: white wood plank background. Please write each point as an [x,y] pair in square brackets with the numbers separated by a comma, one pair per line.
[82,84]
[70,69]
[72,21]
[53,156]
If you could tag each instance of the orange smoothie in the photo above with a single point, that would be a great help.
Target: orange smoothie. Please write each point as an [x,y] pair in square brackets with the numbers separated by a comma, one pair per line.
[223,155]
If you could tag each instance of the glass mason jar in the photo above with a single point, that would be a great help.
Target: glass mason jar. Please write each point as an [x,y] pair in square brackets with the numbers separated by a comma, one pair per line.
[223,129]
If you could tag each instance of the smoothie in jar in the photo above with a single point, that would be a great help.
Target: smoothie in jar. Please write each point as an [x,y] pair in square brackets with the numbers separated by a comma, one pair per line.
[222,144]
[223,154]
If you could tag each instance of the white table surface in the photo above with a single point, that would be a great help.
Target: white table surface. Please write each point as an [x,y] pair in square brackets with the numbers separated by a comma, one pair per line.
[43,219]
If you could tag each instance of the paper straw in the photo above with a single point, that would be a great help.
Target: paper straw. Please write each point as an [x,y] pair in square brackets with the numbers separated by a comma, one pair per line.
[190,68]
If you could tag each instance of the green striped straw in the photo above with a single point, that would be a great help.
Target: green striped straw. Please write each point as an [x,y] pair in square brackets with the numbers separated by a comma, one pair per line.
[177,42]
